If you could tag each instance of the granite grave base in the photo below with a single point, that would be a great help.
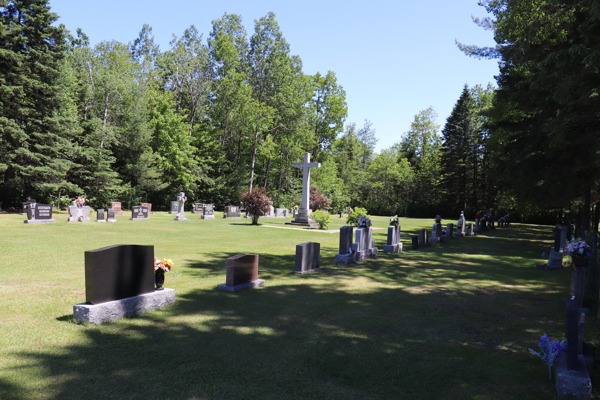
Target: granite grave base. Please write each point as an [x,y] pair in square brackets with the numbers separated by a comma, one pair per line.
[344,259]
[39,221]
[572,384]
[207,217]
[392,248]
[117,309]
[236,288]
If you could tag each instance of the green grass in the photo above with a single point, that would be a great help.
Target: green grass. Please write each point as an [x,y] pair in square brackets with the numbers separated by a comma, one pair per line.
[451,321]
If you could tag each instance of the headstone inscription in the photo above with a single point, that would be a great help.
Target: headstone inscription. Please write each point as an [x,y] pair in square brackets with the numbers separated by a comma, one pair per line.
[174,207]
[116,206]
[242,273]
[100,215]
[26,204]
[139,213]
[110,215]
[78,213]
[393,240]
[119,282]
[39,213]
[308,257]
[181,207]
[197,208]
[345,255]
[208,212]
[302,218]
[231,212]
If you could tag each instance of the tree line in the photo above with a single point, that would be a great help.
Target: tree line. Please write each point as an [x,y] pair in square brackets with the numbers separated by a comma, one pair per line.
[217,116]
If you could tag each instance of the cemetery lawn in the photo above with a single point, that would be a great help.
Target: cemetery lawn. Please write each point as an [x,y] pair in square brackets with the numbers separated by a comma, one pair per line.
[451,321]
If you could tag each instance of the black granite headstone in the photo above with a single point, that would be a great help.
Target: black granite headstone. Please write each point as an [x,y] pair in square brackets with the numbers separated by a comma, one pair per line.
[308,256]
[118,272]
[345,239]
[415,242]
[139,212]
[208,209]
[231,212]
[110,214]
[556,233]
[39,211]
[100,215]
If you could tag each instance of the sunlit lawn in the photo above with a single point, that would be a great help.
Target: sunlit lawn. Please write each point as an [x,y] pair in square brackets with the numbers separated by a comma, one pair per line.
[451,321]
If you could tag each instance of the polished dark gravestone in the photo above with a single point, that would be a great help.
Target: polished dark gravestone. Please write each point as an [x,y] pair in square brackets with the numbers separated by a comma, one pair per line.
[100,215]
[139,213]
[450,230]
[242,273]
[110,215]
[345,253]
[119,282]
[26,204]
[208,212]
[423,238]
[571,373]
[308,257]
[415,242]
[39,213]
[231,212]
[117,272]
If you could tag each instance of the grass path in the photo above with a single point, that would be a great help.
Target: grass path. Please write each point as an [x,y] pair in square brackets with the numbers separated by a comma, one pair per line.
[451,321]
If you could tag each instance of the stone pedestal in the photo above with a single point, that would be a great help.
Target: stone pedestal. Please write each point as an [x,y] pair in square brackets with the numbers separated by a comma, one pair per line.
[573,384]
[344,259]
[302,219]
[236,288]
[117,309]
[392,248]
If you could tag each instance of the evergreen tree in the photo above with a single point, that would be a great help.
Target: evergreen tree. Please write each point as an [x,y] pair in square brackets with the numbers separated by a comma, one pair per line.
[34,120]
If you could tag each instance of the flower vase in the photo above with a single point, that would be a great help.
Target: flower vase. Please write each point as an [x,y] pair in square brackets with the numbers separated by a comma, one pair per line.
[580,261]
[159,278]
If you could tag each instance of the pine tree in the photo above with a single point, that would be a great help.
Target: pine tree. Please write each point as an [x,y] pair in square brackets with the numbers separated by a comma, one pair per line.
[34,151]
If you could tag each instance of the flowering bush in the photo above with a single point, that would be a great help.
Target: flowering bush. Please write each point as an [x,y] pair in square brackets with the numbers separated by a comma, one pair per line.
[363,222]
[438,218]
[322,218]
[165,265]
[80,201]
[578,248]
[395,220]
[551,348]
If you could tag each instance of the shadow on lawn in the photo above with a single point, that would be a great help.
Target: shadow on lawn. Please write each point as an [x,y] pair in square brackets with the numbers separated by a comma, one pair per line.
[300,342]
[391,329]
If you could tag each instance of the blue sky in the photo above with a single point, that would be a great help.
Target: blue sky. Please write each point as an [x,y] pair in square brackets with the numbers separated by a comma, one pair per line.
[393,58]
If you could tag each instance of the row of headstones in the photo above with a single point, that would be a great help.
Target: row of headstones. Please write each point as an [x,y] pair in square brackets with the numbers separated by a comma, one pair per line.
[364,245]
[570,372]
[275,213]
[120,280]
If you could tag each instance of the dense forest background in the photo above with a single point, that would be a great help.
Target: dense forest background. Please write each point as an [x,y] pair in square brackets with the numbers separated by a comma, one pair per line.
[218,115]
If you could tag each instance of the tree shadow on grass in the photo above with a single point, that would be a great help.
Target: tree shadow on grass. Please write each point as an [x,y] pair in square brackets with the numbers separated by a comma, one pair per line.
[316,341]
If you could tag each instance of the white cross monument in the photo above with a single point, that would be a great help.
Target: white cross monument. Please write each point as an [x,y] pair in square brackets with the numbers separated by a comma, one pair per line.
[181,200]
[302,217]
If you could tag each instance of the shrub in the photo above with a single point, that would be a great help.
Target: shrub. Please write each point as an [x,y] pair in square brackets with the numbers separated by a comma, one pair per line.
[317,200]
[257,202]
[355,216]
[322,217]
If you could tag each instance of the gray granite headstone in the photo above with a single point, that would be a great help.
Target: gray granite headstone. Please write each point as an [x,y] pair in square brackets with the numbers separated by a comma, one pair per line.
[470,231]
[231,212]
[345,239]
[450,230]
[415,242]
[100,215]
[578,284]
[110,215]
[139,213]
[174,207]
[308,257]
[38,213]
[76,212]
[393,240]
[364,239]
[208,212]
[423,238]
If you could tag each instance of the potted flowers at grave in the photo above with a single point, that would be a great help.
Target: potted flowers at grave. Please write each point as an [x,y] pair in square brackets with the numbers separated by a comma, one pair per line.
[395,220]
[363,222]
[551,348]
[160,267]
[579,251]
[80,201]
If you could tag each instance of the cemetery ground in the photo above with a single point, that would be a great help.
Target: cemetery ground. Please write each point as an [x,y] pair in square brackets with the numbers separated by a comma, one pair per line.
[450,321]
